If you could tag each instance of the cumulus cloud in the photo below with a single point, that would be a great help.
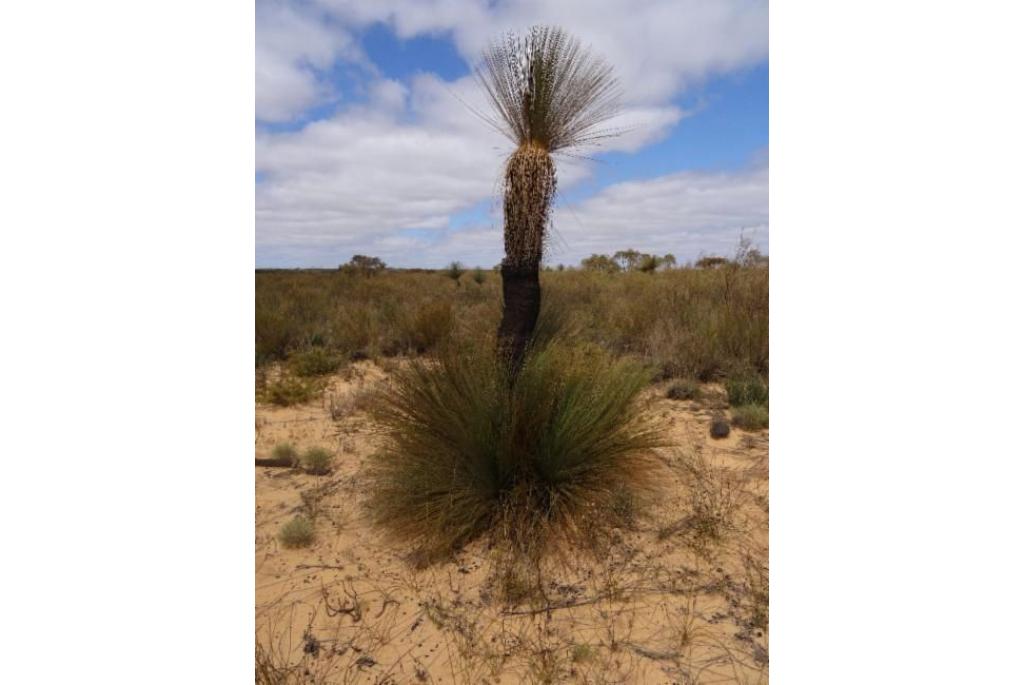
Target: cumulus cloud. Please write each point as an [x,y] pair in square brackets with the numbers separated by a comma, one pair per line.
[687,214]
[385,175]
[293,44]
[409,158]
[657,46]
[369,172]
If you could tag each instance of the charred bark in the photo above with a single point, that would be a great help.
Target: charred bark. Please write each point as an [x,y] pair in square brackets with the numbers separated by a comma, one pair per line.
[520,289]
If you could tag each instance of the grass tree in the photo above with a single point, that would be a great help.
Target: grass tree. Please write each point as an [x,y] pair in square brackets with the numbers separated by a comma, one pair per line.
[548,95]
[547,451]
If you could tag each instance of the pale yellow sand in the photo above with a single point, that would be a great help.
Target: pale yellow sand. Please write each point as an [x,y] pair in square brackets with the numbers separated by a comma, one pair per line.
[660,608]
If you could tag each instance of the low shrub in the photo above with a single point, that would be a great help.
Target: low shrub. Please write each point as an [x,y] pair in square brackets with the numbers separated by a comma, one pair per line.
[746,390]
[317,460]
[547,458]
[298,532]
[285,451]
[750,417]
[719,428]
[289,390]
[315,361]
[684,390]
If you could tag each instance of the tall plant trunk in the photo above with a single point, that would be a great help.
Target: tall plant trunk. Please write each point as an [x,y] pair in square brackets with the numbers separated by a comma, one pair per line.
[529,187]
[520,291]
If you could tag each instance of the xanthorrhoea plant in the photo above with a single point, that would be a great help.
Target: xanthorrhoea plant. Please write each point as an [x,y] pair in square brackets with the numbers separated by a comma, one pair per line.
[548,95]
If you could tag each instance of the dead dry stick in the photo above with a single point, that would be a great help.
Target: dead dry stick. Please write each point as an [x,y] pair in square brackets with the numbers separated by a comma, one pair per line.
[554,607]
[275,463]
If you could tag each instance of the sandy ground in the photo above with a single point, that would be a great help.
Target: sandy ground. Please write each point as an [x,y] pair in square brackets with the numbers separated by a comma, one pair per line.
[680,598]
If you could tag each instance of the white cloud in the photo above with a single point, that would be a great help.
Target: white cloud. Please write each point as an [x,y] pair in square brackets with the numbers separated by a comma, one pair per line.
[412,154]
[366,172]
[686,213]
[291,45]
[658,47]
[341,183]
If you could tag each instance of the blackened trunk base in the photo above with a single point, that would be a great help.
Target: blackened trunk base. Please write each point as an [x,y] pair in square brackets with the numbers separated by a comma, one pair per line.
[520,289]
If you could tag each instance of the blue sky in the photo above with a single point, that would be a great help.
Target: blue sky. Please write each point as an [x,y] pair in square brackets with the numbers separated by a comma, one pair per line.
[366,142]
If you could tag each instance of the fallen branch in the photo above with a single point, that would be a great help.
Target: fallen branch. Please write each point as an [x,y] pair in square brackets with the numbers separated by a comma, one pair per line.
[275,463]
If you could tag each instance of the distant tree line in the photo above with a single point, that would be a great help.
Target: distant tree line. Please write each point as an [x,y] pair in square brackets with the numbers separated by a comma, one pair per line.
[632,260]
[628,260]
[623,260]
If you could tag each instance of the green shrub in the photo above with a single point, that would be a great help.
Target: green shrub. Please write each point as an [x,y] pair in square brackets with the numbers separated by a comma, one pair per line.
[289,390]
[316,361]
[285,450]
[546,459]
[750,417]
[684,390]
[317,460]
[746,390]
[298,532]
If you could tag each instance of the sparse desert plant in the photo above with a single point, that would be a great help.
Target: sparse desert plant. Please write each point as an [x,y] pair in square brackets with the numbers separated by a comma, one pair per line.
[546,458]
[719,427]
[713,501]
[748,389]
[315,361]
[756,572]
[288,390]
[478,276]
[297,532]
[683,390]
[341,407]
[285,452]
[750,417]
[317,460]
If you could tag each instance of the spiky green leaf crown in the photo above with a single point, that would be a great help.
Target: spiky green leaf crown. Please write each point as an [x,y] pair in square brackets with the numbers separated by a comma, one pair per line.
[548,91]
